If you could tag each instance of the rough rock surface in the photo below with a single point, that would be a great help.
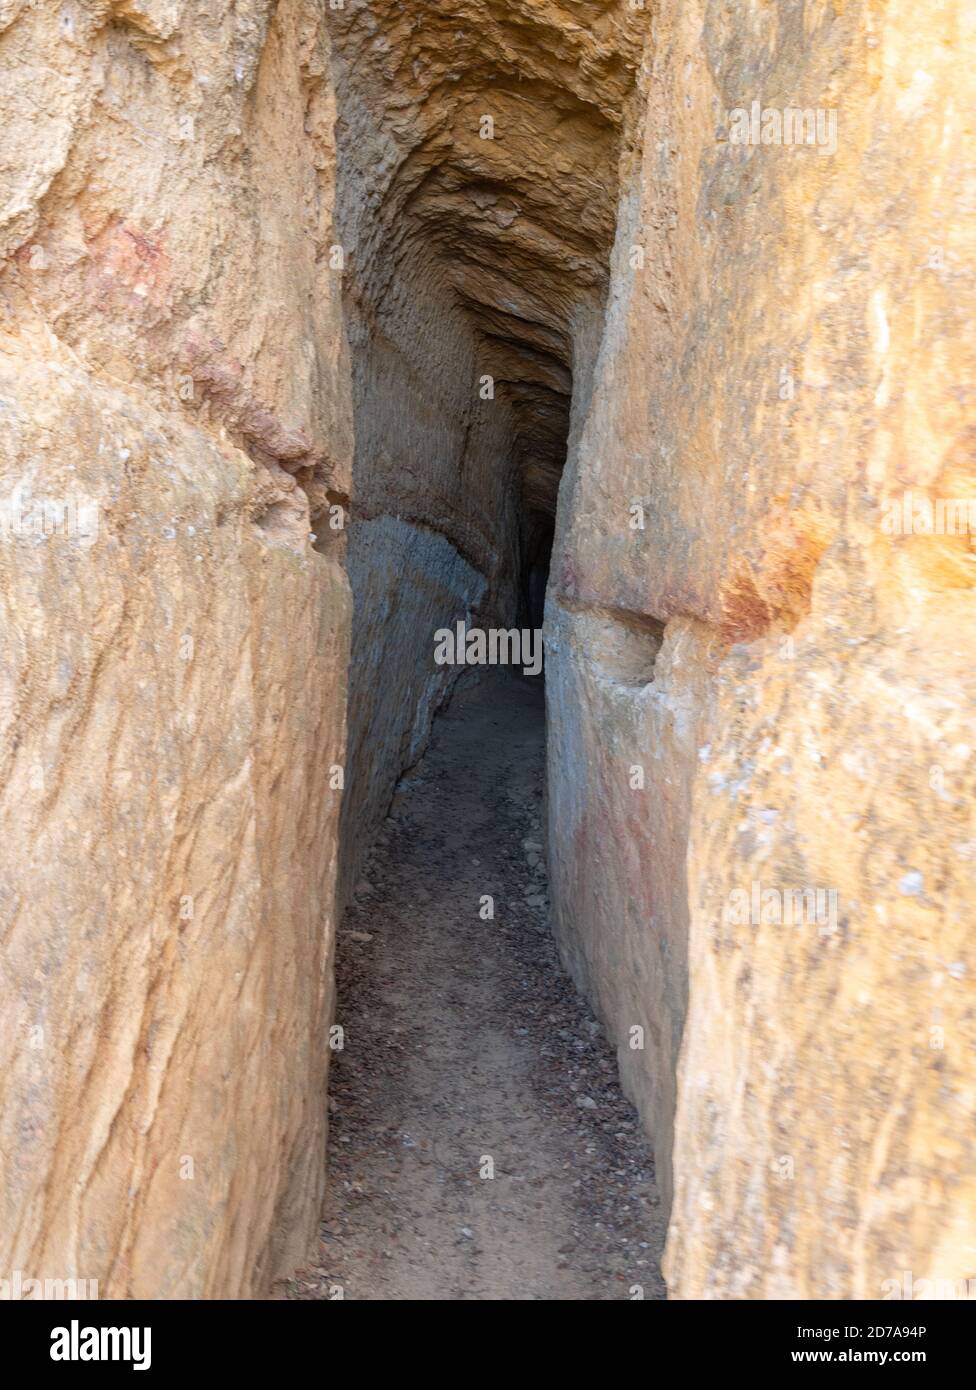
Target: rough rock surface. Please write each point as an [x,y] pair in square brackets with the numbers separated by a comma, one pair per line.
[172,366]
[794,351]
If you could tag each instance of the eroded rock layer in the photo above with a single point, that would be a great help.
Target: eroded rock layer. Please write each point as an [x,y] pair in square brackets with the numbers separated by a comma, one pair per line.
[760,689]
[174,424]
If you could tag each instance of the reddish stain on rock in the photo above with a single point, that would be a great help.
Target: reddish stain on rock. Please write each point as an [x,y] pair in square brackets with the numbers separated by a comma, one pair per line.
[130,268]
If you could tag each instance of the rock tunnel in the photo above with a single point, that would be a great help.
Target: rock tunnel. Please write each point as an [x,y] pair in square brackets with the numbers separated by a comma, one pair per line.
[477,189]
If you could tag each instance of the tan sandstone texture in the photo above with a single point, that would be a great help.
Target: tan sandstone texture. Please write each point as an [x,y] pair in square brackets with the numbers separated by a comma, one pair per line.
[797,683]
[172,673]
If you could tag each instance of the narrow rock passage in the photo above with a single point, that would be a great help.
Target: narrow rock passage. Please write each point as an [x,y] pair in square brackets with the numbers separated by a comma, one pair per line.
[465,1043]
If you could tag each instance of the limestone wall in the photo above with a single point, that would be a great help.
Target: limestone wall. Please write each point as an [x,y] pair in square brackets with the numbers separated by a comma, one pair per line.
[173,373]
[790,356]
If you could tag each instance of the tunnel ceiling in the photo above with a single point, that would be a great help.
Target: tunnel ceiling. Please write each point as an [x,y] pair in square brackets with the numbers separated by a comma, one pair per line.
[516,228]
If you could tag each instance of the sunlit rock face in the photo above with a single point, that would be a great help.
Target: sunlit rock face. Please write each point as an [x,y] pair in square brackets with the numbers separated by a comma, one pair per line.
[734,611]
[478,147]
[175,425]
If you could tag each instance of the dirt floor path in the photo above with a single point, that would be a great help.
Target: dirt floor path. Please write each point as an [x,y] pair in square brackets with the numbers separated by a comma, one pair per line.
[468,1051]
